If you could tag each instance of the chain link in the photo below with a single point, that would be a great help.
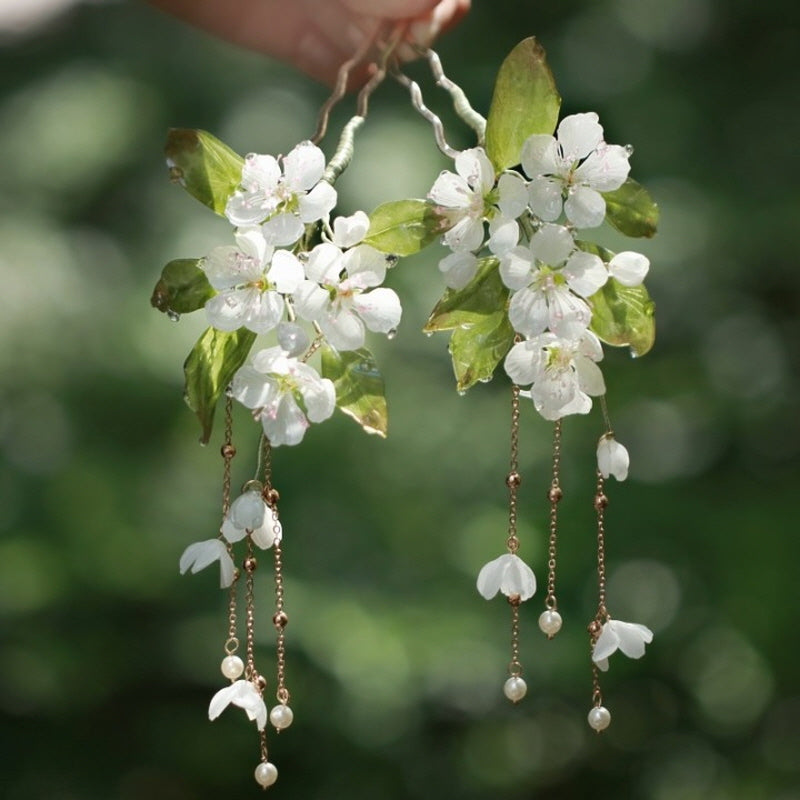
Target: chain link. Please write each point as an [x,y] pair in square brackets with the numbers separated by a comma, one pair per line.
[554,496]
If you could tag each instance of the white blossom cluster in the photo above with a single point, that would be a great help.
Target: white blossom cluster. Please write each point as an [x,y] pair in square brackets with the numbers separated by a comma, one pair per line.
[268,279]
[550,277]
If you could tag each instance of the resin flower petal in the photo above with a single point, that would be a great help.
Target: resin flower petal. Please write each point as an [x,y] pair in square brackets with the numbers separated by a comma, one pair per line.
[627,637]
[199,555]
[508,574]
[244,694]
[612,458]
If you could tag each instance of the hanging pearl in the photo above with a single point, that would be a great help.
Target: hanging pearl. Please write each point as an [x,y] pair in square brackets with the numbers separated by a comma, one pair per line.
[266,774]
[599,718]
[550,622]
[281,716]
[515,688]
[232,667]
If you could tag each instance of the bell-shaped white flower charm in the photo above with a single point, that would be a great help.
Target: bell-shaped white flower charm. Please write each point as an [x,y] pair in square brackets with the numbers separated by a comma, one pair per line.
[612,457]
[627,637]
[199,555]
[508,574]
[242,693]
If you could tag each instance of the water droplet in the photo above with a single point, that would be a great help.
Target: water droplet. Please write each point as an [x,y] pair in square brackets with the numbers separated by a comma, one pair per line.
[391,334]
[629,150]
[428,333]
[302,256]
[391,261]
[486,380]
[462,392]
[173,316]
[292,338]
[229,390]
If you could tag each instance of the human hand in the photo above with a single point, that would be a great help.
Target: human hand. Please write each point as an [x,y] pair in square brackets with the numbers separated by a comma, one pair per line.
[316,36]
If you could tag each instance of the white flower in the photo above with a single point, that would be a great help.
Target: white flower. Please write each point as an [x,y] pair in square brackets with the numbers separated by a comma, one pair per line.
[463,194]
[199,555]
[612,457]
[628,637]
[629,268]
[349,231]
[249,287]
[468,197]
[508,574]
[336,295]
[563,373]
[242,693]
[551,276]
[284,200]
[578,164]
[250,514]
[272,384]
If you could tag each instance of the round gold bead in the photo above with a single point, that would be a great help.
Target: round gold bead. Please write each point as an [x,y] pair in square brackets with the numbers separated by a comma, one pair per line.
[271,497]
[555,494]
[250,564]
[600,501]
[594,628]
[514,599]
[227,450]
[280,619]
[513,480]
[261,682]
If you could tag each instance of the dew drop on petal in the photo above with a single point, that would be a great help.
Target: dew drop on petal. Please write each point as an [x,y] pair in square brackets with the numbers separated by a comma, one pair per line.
[173,316]
[462,392]
[391,261]
[391,334]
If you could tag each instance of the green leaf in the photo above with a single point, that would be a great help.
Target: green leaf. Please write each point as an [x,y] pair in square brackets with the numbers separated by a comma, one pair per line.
[359,387]
[182,288]
[210,368]
[624,315]
[631,210]
[525,102]
[477,350]
[482,296]
[404,227]
[206,167]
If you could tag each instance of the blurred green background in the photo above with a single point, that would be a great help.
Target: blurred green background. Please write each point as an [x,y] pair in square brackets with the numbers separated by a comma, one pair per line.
[109,657]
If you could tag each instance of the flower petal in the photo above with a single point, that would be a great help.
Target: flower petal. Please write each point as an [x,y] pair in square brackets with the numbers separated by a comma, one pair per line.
[517,578]
[474,167]
[269,532]
[552,244]
[585,208]
[324,263]
[512,194]
[380,309]
[451,191]
[585,273]
[522,362]
[317,204]
[490,576]
[632,637]
[544,196]
[365,266]
[459,269]
[629,268]
[252,243]
[540,155]
[579,135]
[516,267]
[318,393]
[303,167]
[252,388]
[466,234]
[590,378]
[228,310]
[247,510]
[348,231]
[286,272]
[568,315]
[264,312]
[612,458]
[606,644]
[528,312]
[503,234]
[284,423]
[343,329]
[226,267]
[606,169]
[283,229]
[311,301]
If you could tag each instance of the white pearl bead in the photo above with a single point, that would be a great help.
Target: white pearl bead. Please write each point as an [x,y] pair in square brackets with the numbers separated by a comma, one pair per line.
[550,622]
[281,716]
[515,688]
[266,774]
[599,718]
[232,667]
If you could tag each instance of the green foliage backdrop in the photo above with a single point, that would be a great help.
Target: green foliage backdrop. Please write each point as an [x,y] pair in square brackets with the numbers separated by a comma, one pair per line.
[109,657]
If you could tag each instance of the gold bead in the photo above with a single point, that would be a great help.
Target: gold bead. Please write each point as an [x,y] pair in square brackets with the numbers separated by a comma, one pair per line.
[236,574]
[250,564]
[227,450]
[554,494]
[271,497]
[514,599]
[513,480]
[594,628]
[280,620]
[600,501]
[261,682]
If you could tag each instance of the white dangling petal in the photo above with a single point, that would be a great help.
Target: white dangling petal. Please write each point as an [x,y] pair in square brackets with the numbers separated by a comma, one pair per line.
[612,458]
[629,268]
